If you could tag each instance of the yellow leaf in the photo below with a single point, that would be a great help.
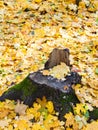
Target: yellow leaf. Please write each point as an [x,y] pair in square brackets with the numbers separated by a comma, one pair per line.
[38,1]
[92,126]
[39,33]
[80,109]
[82,5]
[1,4]
[92,8]
[42,102]
[35,111]
[9,104]
[4,112]
[10,127]
[37,126]
[70,121]
[50,106]
[51,122]
[21,124]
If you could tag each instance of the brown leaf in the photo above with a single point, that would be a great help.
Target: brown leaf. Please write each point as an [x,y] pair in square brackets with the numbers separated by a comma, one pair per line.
[20,108]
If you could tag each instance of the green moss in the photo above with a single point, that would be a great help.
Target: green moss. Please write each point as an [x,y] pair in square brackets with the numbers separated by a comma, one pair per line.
[94,114]
[26,87]
[66,98]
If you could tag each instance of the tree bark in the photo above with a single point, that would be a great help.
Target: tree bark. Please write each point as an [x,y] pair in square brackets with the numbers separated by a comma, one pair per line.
[56,57]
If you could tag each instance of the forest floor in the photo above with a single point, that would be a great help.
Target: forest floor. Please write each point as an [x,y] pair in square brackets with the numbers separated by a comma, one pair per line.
[29,31]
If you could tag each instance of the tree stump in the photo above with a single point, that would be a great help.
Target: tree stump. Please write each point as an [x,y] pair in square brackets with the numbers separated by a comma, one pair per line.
[37,85]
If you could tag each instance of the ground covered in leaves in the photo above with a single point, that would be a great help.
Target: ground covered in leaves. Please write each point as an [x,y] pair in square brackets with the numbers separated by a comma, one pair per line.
[29,30]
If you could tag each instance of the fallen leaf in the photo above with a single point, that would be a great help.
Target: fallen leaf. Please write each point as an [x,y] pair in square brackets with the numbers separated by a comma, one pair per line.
[20,108]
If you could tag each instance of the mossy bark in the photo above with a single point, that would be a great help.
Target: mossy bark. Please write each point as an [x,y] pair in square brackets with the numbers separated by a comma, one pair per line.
[19,91]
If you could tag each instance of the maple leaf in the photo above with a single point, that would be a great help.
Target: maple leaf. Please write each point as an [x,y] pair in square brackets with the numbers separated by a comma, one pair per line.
[80,109]
[51,122]
[59,71]
[4,123]
[39,33]
[21,124]
[50,107]
[9,104]
[35,111]
[4,112]
[92,126]
[37,126]
[20,108]
[81,121]
[70,121]
[42,102]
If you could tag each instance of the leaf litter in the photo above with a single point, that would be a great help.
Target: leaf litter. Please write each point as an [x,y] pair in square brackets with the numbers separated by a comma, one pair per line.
[29,30]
